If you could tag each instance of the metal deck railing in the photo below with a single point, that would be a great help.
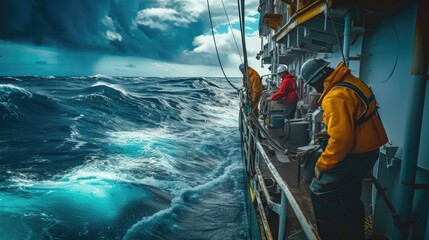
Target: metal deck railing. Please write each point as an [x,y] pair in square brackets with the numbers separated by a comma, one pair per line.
[252,153]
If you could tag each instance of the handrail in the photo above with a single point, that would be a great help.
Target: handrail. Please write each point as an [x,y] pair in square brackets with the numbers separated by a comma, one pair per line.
[280,209]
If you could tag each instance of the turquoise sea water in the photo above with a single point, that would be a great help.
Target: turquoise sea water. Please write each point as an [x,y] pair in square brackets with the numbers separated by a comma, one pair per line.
[120,158]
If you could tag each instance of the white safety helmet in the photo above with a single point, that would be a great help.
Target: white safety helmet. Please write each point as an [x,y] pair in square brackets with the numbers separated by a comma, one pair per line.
[282,68]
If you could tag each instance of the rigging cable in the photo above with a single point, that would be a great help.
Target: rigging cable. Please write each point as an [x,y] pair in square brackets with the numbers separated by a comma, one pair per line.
[249,205]
[232,32]
[243,42]
[217,52]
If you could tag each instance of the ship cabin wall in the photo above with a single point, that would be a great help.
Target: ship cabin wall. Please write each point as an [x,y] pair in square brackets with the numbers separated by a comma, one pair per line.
[381,55]
[386,67]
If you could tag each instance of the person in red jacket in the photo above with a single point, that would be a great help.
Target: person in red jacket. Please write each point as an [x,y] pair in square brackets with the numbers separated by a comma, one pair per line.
[288,92]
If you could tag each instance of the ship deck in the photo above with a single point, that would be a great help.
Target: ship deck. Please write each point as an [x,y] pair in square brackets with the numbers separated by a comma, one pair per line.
[287,166]
[298,180]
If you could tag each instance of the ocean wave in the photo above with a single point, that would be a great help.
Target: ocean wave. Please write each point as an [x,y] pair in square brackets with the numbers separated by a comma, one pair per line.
[189,205]
[20,103]
[9,89]
[100,76]
[111,86]
[11,79]
[103,158]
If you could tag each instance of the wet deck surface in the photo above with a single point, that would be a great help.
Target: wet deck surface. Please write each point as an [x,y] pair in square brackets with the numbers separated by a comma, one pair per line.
[287,167]
[288,170]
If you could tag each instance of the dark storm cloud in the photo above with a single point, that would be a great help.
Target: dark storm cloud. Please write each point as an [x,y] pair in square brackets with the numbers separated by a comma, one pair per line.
[146,28]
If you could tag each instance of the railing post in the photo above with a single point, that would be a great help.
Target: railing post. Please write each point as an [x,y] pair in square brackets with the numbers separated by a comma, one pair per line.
[346,41]
[283,216]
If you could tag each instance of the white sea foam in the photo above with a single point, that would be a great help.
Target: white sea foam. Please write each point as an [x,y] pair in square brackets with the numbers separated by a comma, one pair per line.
[222,116]
[75,138]
[181,200]
[78,117]
[12,79]
[152,146]
[10,88]
[113,86]
[101,76]
[129,170]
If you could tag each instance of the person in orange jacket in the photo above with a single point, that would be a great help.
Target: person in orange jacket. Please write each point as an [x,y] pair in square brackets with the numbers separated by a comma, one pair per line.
[355,134]
[287,91]
[255,88]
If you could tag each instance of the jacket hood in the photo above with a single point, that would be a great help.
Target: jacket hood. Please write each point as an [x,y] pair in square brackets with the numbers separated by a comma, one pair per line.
[335,77]
[251,70]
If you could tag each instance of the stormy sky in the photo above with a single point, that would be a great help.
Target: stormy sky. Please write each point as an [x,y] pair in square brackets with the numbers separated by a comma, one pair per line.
[122,37]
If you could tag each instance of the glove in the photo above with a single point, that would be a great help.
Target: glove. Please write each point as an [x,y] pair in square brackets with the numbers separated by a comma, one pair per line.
[317,172]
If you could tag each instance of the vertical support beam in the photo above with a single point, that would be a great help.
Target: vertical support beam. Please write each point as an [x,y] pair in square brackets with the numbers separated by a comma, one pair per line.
[262,48]
[277,60]
[426,235]
[297,37]
[283,215]
[250,149]
[346,41]
[413,125]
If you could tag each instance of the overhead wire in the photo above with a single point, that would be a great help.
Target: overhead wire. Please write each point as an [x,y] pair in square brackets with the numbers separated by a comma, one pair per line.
[217,52]
[247,83]
[335,30]
[243,43]
[232,31]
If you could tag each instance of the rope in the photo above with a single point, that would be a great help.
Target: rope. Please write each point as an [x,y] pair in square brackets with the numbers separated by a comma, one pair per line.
[217,52]
[272,142]
[232,32]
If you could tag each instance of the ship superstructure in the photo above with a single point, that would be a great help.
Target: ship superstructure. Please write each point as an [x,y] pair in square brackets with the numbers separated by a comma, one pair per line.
[385,44]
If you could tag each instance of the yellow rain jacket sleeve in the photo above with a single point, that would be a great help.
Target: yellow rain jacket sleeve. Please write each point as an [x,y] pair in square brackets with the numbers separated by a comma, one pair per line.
[342,108]
[255,85]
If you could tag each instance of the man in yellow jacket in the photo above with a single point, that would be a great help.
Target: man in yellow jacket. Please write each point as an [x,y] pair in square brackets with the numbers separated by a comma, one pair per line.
[355,134]
[255,88]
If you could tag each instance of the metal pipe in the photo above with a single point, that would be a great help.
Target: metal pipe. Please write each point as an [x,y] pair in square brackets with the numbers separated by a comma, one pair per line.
[283,215]
[264,219]
[297,37]
[426,235]
[346,41]
[414,119]
[325,24]
[262,47]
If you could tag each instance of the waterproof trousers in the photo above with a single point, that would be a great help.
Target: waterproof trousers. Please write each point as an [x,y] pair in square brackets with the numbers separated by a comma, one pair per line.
[255,107]
[339,212]
[289,112]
